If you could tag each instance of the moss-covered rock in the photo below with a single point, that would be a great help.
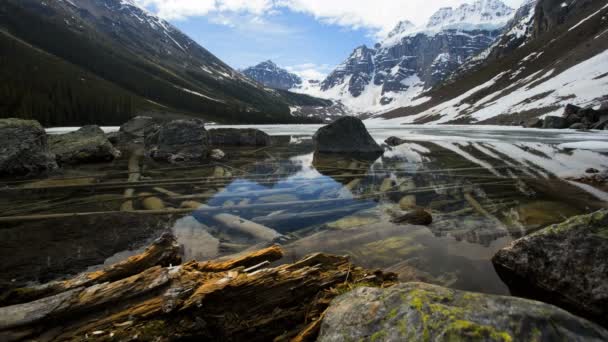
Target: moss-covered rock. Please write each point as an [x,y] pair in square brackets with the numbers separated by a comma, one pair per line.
[86,145]
[565,264]
[23,148]
[423,312]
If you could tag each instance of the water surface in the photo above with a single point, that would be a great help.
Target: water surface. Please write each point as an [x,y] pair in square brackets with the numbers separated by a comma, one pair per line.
[484,186]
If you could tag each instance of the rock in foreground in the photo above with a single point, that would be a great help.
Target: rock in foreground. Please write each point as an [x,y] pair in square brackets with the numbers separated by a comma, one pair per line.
[24,148]
[345,135]
[89,144]
[238,137]
[566,264]
[422,312]
[178,141]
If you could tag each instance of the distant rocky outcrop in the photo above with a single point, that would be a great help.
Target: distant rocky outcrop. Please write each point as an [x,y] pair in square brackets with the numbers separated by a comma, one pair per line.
[575,117]
[178,141]
[565,264]
[238,137]
[86,145]
[271,76]
[421,312]
[24,149]
[345,135]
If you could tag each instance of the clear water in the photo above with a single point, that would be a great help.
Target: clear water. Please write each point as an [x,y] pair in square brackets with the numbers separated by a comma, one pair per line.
[484,187]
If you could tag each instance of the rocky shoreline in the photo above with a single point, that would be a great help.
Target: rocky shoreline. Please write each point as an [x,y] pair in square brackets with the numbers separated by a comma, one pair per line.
[155,295]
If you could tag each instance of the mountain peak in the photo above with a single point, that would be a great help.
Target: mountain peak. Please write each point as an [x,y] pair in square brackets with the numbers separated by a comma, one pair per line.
[401,27]
[481,13]
[271,75]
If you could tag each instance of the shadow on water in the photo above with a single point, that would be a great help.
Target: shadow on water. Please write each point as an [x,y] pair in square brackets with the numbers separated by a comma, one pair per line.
[481,194]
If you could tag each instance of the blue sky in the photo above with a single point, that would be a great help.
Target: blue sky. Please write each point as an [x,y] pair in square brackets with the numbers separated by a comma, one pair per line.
[289,39]
[309,37]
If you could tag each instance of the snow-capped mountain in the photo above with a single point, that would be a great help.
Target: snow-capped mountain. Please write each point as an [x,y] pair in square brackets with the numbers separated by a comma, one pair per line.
[414,59]
[272,76]
[552,53]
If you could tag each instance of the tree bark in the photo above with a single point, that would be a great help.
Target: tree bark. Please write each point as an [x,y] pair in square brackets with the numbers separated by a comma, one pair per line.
[214,300]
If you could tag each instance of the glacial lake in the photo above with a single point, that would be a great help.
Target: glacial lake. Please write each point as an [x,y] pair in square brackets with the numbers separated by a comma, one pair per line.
[484,186]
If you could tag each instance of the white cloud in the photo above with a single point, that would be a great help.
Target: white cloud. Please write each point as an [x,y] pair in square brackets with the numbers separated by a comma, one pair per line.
[310,71]
[378,16]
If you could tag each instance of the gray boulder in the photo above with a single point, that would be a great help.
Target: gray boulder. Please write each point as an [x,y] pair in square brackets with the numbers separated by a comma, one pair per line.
[137,126]
[422,312]
[24,148]
[394,141]
[238,137]
[566,264]
[534,123]
[345,135]
[89,144]
[178,141]
[555,122]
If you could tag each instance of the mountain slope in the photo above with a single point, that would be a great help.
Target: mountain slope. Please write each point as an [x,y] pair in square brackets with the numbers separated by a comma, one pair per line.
[412,59]
[271,76]
[562,58]
[134,50]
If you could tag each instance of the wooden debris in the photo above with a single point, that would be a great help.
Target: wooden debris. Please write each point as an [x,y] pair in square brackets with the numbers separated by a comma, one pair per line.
[163,252]
[213,300]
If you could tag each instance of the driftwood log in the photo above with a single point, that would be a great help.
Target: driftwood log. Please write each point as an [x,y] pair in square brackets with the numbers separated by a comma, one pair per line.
[143,298]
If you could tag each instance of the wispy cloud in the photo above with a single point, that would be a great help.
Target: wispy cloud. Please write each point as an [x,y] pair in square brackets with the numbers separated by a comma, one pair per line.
[310,71]
[378,16]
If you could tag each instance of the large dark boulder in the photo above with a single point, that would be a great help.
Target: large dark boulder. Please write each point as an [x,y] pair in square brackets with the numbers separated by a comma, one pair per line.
[566,264]
[345,135]
[24,149]
[418,312]
[555,122]
[89,144]
[178,141]
[238,137]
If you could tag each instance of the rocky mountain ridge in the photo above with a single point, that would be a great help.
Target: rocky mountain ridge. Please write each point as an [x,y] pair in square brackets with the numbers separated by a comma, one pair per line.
[413,59]
[552,53]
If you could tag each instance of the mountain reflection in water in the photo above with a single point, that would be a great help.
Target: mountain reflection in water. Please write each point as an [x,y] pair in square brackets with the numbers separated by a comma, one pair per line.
[483,186]
[482,195]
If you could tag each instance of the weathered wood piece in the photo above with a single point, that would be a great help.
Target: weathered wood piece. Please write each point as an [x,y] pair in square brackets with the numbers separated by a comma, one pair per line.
[213,300]
[163,252]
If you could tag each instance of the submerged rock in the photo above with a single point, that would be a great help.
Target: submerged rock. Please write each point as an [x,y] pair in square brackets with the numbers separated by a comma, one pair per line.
[238,137]
[178,141]
[345,135]
[24,148]
[217,154]
[566,264]
[86,145]
[417,217]
[422,312]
